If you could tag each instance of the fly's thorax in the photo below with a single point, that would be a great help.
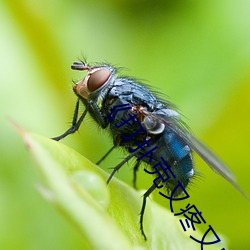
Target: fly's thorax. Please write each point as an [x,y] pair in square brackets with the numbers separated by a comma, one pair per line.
[95,84]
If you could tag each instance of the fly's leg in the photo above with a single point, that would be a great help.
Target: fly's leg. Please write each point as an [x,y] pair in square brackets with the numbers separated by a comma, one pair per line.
[145,196]
[91,107]
[116,168]
[136,167]
[75,124]
[99,116]
[105,155]
[134,173]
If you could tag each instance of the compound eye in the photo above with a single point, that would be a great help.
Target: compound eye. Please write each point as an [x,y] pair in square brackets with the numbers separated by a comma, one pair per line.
[97,79]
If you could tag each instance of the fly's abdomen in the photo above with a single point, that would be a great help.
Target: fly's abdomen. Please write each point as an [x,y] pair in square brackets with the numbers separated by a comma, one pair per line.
[174,155]
[180,160]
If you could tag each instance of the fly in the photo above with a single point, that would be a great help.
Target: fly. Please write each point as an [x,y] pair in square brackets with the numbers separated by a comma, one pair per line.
[101,91]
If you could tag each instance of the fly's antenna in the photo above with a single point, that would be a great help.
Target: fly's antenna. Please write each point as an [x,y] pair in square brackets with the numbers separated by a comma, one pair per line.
[80,66]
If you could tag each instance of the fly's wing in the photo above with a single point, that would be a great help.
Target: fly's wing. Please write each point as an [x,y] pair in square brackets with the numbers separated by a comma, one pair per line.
[171,120]
[212,160]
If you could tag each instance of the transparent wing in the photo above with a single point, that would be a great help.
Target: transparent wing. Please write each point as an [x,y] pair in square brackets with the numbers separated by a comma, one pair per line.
[172,121]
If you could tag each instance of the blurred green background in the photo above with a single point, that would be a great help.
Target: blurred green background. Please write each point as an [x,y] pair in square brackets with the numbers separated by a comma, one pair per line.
[195,52]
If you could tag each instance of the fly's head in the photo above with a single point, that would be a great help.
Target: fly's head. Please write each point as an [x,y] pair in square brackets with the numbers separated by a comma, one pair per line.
[96,79]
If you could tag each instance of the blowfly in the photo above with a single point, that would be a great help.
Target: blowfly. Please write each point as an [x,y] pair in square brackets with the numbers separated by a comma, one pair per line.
[135,117]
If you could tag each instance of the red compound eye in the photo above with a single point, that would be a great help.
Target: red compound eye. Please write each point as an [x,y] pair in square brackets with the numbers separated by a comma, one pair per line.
[97,79]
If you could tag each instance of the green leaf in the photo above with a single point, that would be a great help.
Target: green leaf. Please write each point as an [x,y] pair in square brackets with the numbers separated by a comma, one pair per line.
[106,215]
